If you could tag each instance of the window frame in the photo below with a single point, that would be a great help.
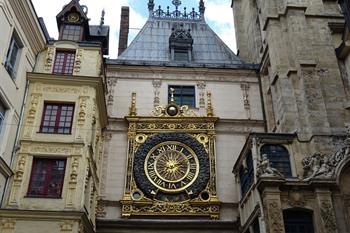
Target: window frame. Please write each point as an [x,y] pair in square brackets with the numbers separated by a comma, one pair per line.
[3,109]
[179,97]
[246,174]
[63,29]
[49,173]
[58,116]
[65,63]
[305,218]
[9,66]
[273,162]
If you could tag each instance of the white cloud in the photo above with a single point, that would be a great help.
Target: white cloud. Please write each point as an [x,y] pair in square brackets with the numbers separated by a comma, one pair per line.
[218,14]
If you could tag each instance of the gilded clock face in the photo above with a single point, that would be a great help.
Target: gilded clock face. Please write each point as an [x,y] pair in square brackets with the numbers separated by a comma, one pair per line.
[73,17]
[171,166]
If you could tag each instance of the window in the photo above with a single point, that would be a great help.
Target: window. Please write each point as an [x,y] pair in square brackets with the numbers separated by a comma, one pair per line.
[246,174]
[278,157]
[57,118]
[64,63]
[12,55]
[298,221]
[71,32]
[2,114]
[180,55]
[47,177]
[184,95]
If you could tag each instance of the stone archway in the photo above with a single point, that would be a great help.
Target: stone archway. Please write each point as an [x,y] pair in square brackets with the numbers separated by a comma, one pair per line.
[344,185]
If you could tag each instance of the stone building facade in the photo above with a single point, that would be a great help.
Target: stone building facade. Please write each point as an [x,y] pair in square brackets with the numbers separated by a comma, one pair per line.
[57,169]
[21,40]
[294,176]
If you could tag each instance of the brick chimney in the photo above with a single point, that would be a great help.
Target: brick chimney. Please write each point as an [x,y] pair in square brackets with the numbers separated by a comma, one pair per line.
[124,29]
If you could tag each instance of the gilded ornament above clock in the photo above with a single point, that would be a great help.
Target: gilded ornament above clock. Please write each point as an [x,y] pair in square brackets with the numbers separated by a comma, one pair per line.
[73,17]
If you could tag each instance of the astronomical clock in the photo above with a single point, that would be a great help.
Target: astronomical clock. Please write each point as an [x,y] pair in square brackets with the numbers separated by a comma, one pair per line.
[171,163]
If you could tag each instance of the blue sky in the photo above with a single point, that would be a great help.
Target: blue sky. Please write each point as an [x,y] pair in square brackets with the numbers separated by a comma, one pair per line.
[218,15]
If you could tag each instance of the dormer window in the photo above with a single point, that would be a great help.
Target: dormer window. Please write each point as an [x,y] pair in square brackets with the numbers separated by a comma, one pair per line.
[180,45]
[71,32]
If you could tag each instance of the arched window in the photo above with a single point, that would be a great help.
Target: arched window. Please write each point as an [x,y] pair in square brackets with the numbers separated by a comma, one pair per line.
[278,157]
[246,173]
[298,221]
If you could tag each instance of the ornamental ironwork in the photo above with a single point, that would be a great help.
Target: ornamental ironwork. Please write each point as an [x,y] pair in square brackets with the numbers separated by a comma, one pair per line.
[177,13]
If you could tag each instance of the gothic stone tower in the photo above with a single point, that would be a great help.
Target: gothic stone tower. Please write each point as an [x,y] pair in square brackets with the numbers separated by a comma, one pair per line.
[57,169]
[297,171]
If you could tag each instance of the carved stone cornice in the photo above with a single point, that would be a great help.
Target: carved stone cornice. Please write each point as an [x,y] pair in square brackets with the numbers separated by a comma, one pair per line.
[5,168]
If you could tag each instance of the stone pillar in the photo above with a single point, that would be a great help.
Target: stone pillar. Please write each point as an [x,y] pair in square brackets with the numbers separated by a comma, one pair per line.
[273,210]
[327,221]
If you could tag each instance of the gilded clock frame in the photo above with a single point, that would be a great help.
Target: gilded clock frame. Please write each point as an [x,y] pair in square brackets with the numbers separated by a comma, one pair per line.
[202,129]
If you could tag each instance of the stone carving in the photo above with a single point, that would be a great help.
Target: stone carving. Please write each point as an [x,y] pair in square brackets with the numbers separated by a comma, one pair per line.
[296,198]
[275,221]
[156,85]
[7,224]
[324,166]
[33,108]
[67,226]
[246,103]
[20,168]
[49,59]
[139,170]
[82,110]
[132,109]
[78,59]
[100,211]
[50,149]
[111,83]
[201,87]
[210,110]
[74,170]
[60,89]
[328,217]
[264,168]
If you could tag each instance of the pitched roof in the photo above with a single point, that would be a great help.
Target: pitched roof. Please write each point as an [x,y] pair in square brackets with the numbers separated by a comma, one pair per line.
[152,42]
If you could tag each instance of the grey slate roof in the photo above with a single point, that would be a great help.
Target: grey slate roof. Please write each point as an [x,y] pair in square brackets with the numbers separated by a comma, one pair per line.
[151,45]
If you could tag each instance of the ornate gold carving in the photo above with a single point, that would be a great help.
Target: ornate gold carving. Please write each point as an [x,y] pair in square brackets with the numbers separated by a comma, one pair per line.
[158,208]
[140,138]
[184,111]
[78,59]
[202,138]
[328,217]
[133,110]
[49,59]
[210,111]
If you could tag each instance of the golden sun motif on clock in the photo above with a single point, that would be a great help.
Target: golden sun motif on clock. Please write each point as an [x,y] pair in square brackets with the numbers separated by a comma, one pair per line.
[171,166]
[73,17]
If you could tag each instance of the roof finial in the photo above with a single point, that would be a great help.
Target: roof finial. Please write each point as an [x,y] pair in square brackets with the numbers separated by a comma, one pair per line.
[150,5]
[172,92]
[102,18]
[176,3]
[201,7]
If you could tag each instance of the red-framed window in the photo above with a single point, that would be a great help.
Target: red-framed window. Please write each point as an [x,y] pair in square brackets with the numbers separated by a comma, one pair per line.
[47,178]
[64,62]
[57,118]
